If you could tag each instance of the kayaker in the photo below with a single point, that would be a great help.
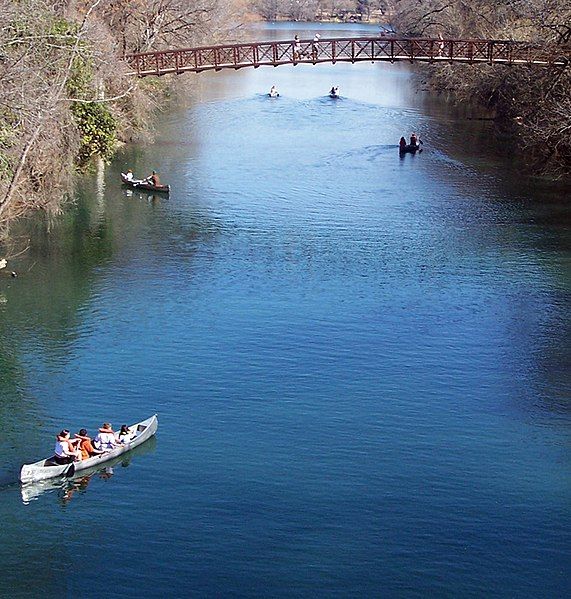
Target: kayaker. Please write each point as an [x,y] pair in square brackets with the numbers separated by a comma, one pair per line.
[413,139]
[129,175]
[105,440]
[86,445]
[66,450]
[274,92]
[402,144]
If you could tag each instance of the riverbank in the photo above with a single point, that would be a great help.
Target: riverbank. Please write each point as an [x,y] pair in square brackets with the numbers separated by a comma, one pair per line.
[66,98]
[359,362]
[530,103]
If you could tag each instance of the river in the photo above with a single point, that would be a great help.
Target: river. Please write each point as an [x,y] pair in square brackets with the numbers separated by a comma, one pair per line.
[360,363]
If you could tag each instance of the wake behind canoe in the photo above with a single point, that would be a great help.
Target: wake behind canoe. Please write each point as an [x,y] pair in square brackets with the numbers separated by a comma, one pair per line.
[48,468]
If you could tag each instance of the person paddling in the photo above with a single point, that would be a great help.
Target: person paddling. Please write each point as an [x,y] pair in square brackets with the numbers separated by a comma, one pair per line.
[105,439]
[402,144]
[153,179]
[66,450]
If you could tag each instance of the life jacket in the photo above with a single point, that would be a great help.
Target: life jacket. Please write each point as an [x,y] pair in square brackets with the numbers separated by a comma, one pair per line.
[102,441]
[85,446]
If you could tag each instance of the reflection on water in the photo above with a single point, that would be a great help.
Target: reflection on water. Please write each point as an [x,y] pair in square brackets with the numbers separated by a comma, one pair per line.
[67,488]
[360,362]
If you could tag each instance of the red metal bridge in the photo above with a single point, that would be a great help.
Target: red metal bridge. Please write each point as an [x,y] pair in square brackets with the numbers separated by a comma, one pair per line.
[354,49]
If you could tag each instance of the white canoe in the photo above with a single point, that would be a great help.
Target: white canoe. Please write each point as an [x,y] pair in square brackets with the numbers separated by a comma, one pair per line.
[47,468]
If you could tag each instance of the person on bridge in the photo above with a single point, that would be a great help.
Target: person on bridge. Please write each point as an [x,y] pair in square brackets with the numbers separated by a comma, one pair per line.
[296,48]
[315,46]
[440,44]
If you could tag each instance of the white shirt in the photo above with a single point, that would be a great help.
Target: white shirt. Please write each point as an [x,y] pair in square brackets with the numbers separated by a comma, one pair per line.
[105,441]
[61,449]
[125,438]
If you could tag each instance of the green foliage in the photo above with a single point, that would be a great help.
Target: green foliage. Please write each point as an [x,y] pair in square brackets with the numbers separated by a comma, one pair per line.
[96,124]
[62,27]
[98,129]
[80,82]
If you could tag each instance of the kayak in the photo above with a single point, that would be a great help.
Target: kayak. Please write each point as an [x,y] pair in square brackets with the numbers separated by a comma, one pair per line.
[48,468]
[139,184]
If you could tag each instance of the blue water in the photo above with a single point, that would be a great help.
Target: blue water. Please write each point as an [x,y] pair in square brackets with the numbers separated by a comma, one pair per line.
[360,363]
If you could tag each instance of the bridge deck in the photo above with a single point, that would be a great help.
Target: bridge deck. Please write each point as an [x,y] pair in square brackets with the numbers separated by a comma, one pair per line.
[256,54]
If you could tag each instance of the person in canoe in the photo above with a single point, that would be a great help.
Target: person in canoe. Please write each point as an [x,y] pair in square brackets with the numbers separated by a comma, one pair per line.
[273,92]
[334,92]
[66,449]
[402,144]
[153,179]
[124,435]
[415,140]
[129,175]
[86,445]
[105,439]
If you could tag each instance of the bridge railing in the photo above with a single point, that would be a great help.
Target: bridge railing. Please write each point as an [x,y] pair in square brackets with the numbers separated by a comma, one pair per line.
[255,54]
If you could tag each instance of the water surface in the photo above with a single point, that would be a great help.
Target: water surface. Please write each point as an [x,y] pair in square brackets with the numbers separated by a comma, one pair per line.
[360,362]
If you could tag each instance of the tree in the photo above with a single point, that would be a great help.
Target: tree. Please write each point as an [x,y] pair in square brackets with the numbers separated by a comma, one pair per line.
[535,101]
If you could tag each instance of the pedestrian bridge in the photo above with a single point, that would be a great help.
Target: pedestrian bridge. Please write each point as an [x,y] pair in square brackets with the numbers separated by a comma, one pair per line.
[352,49]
